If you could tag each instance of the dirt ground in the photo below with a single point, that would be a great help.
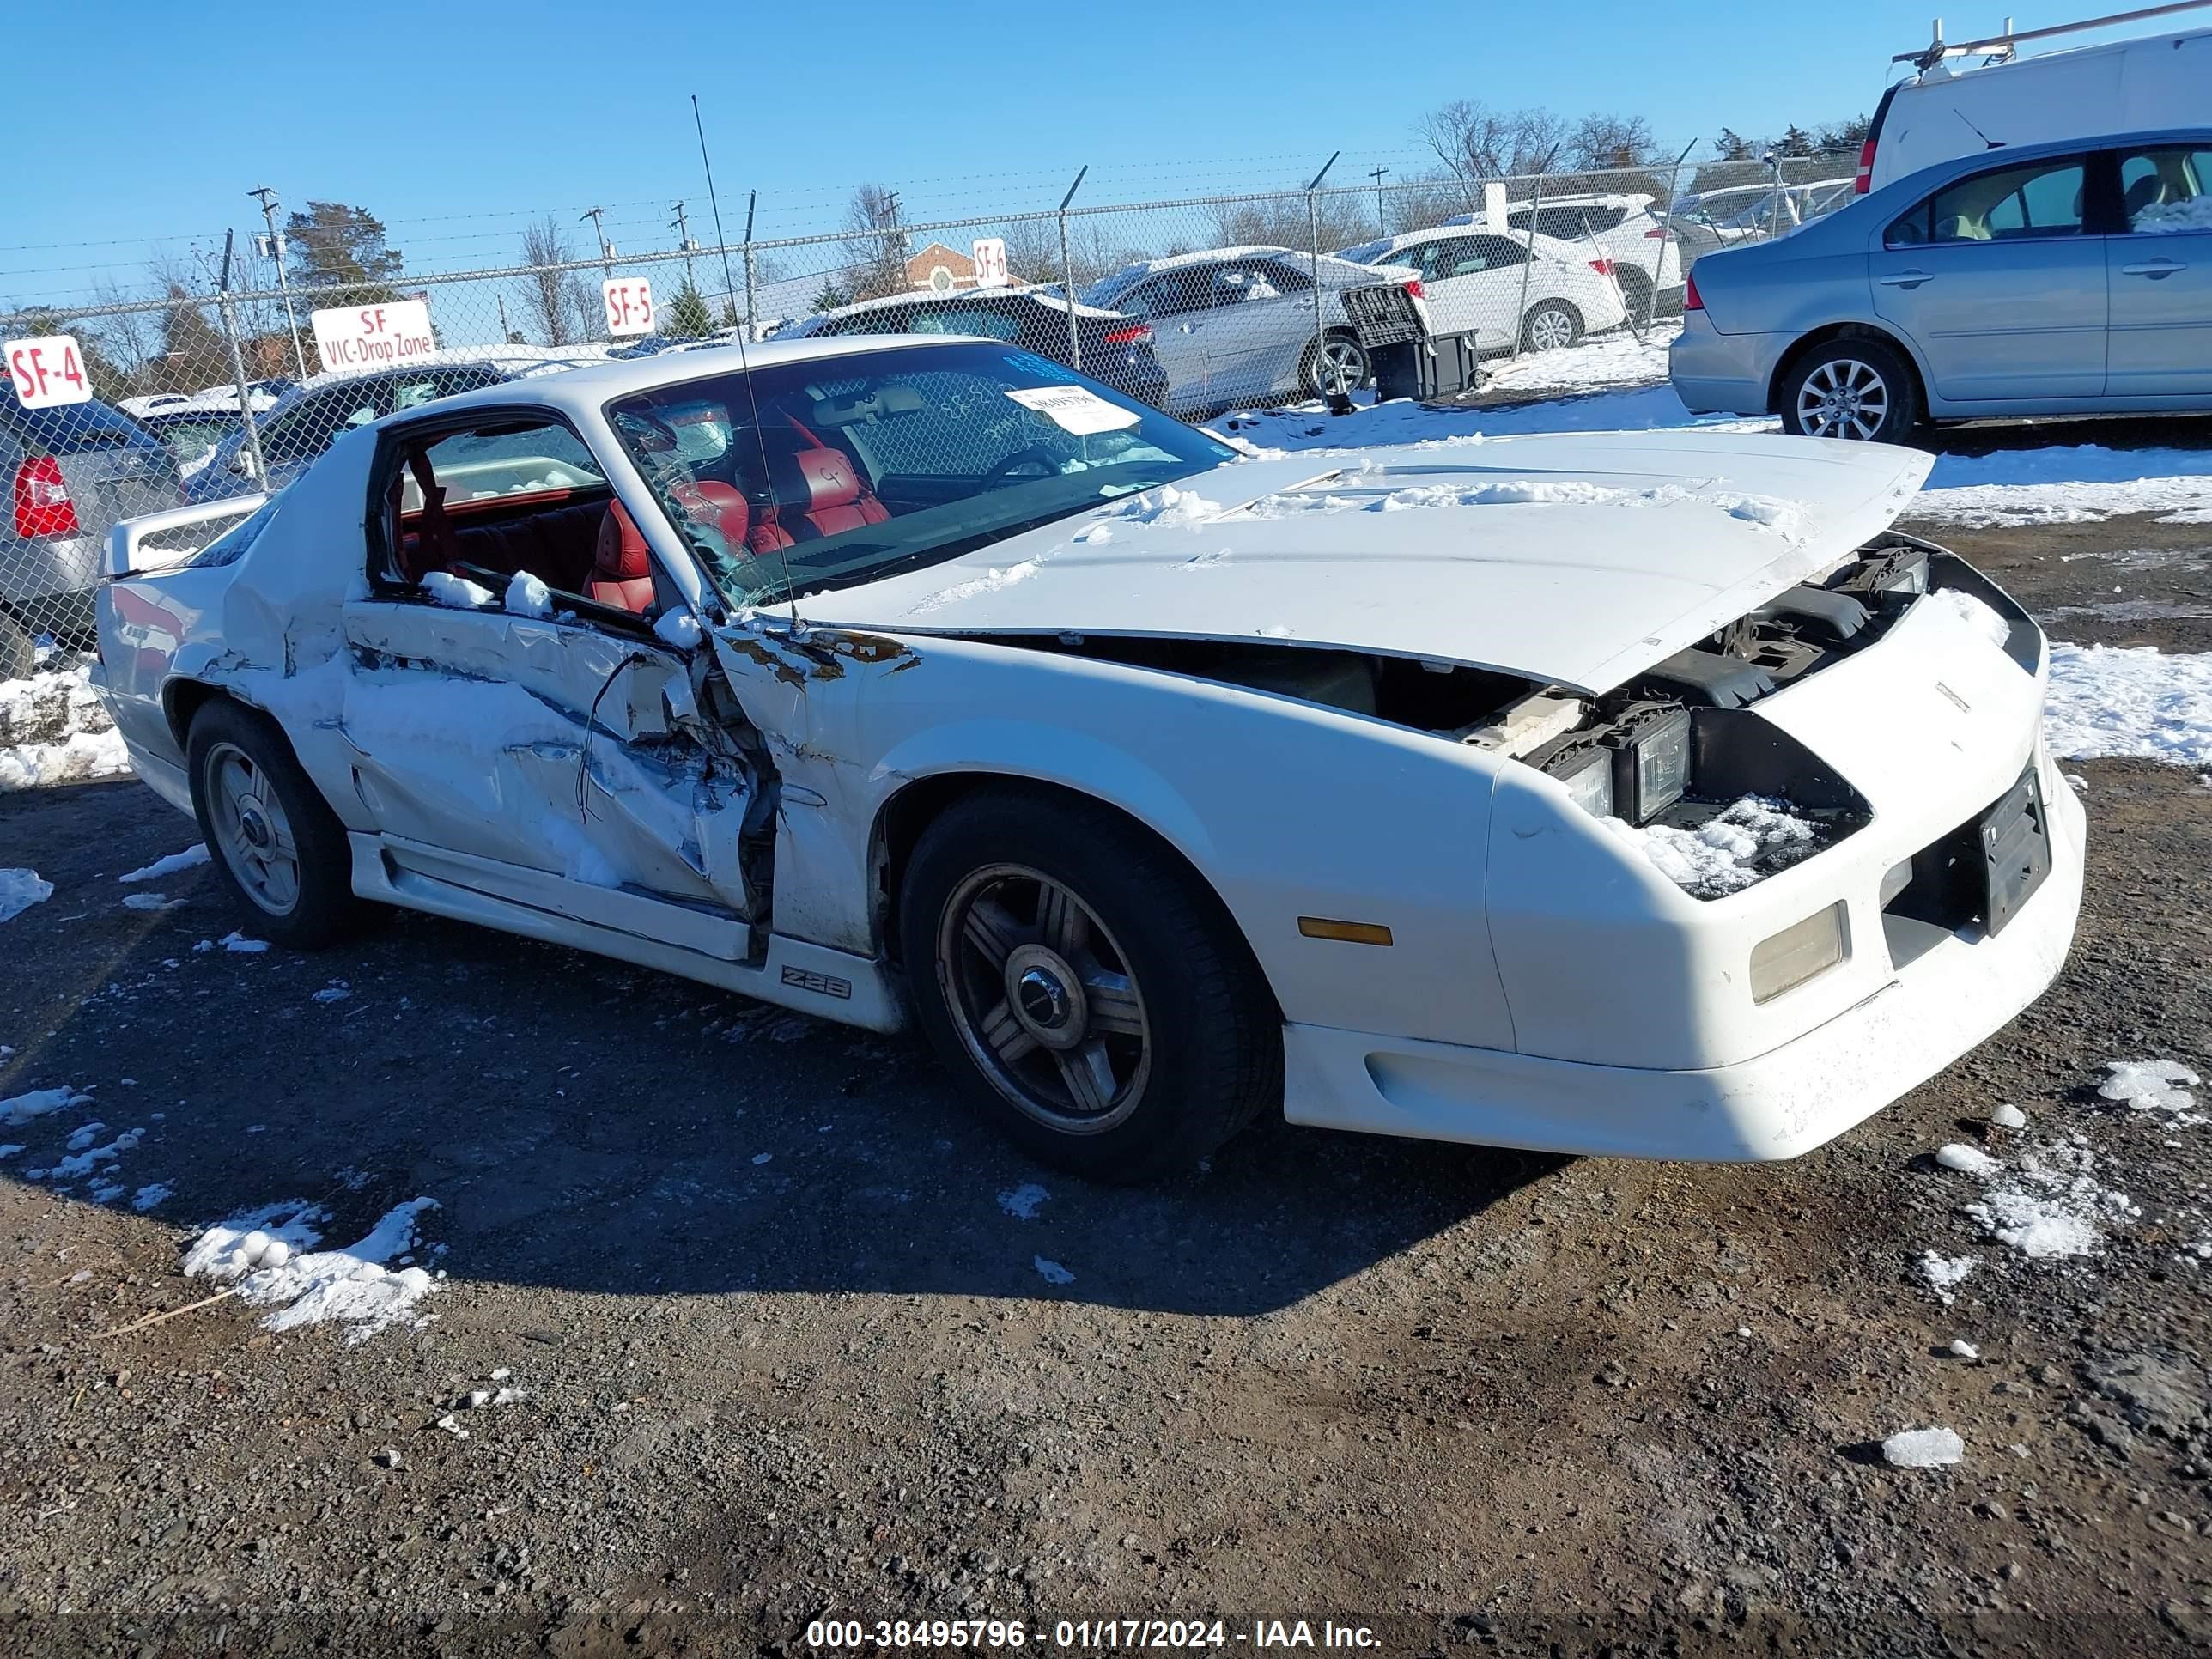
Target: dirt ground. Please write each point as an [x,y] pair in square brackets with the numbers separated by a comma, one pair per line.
[788,1357]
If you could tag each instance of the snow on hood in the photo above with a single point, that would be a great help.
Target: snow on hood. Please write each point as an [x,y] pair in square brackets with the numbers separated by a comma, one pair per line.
[1579,560]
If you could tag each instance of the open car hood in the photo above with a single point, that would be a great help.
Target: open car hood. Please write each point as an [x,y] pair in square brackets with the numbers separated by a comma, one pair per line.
[1577,560]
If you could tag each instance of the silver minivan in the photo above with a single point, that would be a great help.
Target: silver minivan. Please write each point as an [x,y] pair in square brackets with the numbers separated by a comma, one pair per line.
[2046,279]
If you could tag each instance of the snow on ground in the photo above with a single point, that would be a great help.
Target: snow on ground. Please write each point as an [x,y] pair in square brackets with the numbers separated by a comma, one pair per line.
[20,889]
[18,1110]
[1617,359]
[2051,1202]
[1944,1274]
[1021,1202]
[2153,1085]
[52,729]
[1924,1449]
[270,1254]
[1753,838]
[2068,484]
[197,854]
[1051,1272]
[2130,701]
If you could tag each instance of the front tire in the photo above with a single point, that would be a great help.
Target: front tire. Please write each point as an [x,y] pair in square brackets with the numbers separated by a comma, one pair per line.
[1551,325]
[1091,992]
[1862,390]
[277,846]
[19,651]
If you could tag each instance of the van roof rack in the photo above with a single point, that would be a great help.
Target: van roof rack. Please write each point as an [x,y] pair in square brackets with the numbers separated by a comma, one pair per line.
[1936,50]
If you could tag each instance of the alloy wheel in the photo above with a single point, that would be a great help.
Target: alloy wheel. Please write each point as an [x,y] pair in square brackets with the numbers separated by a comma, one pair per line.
[1043,999]
[252,830]
[1550,329]
[1341,365]
[1842,398]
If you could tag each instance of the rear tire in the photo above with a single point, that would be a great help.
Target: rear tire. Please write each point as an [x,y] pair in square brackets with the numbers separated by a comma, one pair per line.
[1093,996]
[1636,293]
[1335,356]
[1551,325]
[1855,389]
[276,845]
[19,651]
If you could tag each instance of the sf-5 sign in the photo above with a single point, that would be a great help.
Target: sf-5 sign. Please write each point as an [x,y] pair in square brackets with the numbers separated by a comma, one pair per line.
[47,372]
[383,336]
[628,300]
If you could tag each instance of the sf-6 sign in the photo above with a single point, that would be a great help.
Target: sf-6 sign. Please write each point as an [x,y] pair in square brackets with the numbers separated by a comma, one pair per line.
[381,336]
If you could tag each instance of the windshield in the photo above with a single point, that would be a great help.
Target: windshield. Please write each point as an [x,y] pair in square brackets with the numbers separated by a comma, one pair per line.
[875,462]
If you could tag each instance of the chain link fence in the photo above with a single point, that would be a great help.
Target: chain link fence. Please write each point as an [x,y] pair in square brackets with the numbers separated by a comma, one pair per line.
[1194,306]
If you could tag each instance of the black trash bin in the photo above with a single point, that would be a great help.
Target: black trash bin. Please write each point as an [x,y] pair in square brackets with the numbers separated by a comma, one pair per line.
[1432,366]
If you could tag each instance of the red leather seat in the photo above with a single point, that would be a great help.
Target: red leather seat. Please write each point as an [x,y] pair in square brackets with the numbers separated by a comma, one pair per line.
[709,501]
[622,570]
[819,492]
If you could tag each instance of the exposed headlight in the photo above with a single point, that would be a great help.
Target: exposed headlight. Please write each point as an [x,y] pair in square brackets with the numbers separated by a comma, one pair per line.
[1587,773]
[1650,761]
[1782,961]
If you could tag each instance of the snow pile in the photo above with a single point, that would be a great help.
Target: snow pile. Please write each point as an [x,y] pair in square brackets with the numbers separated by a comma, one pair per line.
[1021,1202]
[1945,1274]
[679,629]
[990,582]
[2130,701]
[526,596]
[457,592]
[18,1110]
[269,1253]
[2008,1117]
[238,945]
[1924,1449]
[1784,518]
[84,1156]
[1168,505]
[53,729]
[1975,613]
[197,854]
[20,889]
[1753,838]
[149,902]
[1619,359]
[2051,1203]
[2153,1085]
[2164,218]
[1051,1272]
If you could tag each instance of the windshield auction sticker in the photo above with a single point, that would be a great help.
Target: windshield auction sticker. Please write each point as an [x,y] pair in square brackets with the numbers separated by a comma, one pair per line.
[385,336]
[1075,409]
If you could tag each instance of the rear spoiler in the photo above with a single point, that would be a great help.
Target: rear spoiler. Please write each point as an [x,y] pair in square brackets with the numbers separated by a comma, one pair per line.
[160,541]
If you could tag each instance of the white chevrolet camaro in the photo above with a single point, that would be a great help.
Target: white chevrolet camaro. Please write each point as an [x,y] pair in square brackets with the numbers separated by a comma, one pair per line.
[1643,795]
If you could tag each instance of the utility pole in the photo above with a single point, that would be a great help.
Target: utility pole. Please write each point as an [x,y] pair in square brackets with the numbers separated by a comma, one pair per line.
[506,334]
[267,198]
[606,251]
[684,241]
[1382,226]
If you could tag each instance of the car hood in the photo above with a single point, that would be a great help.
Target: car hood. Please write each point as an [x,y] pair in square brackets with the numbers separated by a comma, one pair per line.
[1575,560]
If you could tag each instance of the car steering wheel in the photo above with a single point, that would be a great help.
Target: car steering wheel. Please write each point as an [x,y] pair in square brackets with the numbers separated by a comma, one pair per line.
[1035,455]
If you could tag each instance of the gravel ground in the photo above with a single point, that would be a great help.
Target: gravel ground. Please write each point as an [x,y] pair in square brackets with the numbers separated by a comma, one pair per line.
[787,1352]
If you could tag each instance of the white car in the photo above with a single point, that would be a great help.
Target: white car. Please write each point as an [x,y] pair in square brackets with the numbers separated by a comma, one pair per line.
[1624,229]
[1474,280]
[1524,793]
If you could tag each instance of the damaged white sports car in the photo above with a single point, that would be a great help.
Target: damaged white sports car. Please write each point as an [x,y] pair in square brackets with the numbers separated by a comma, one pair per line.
[1634,795]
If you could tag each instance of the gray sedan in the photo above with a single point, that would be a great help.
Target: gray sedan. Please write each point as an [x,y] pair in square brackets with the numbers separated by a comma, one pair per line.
[2046,279]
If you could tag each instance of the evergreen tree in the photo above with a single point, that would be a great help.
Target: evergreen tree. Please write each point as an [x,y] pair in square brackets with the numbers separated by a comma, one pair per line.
[832,296]
[1731,146]
[193,351]
[341,248]
[686,316]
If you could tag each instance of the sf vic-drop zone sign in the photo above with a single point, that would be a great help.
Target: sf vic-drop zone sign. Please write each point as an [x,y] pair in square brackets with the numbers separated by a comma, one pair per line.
[382,335]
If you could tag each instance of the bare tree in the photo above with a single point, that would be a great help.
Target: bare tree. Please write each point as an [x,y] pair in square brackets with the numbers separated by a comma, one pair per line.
[1610,140]
[131,339]
[877,248]
[1476,142]
[547,296]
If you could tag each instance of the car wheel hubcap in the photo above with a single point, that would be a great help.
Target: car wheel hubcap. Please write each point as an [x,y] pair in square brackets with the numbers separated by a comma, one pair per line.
[1043,999]
[1550,330]
[1343,366]
[1844,398]
[252,830]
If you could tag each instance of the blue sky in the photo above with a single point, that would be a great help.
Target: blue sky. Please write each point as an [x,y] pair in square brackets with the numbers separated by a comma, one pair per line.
[146,124]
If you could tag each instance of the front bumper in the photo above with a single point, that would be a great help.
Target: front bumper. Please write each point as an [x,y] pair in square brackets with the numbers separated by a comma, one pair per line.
[1942,1002]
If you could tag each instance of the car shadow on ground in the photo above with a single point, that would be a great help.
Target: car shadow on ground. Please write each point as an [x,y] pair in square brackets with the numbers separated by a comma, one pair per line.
[589,1126]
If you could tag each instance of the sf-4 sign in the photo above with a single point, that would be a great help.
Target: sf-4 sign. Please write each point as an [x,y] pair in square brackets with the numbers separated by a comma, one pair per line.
[47,370]
[628,300]
[386,335]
